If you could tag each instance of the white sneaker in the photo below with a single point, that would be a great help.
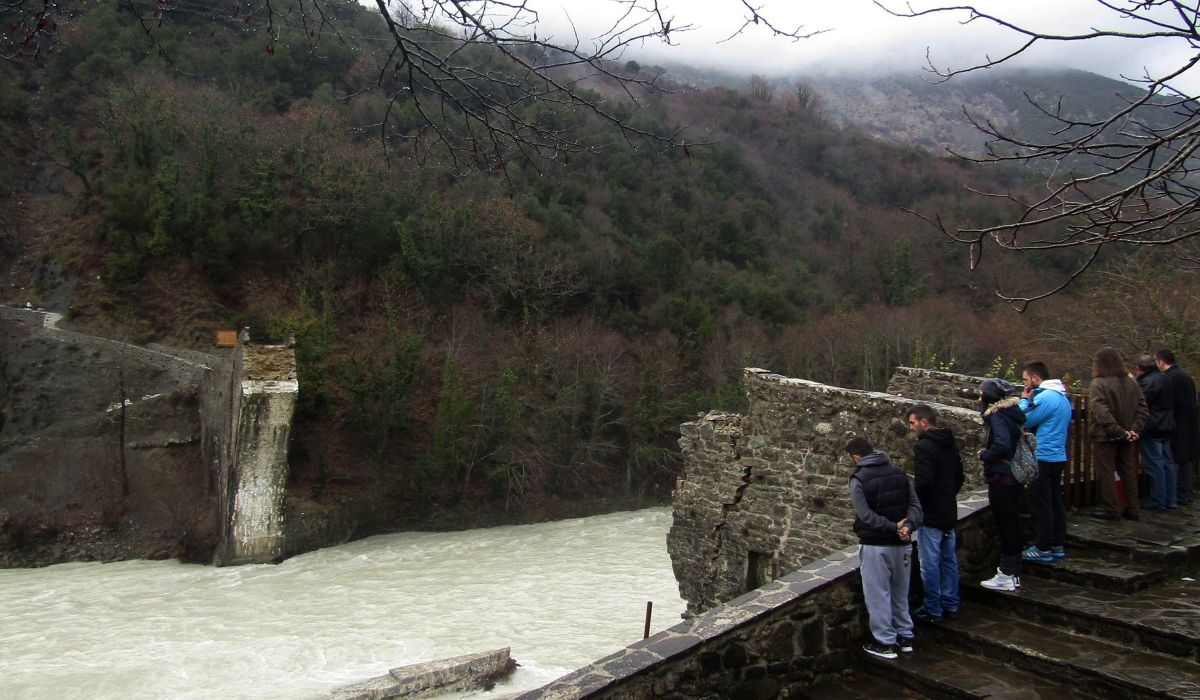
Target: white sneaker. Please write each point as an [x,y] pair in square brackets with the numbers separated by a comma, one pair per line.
[1002,582]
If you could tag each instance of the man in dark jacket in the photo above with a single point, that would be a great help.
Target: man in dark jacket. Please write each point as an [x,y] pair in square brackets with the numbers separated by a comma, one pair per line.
[886,512]
[1154,441]
[1185,440]
[938,476]
[1002,421]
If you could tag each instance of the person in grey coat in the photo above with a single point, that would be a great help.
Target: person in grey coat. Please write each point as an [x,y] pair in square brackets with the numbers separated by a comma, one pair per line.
[887,513]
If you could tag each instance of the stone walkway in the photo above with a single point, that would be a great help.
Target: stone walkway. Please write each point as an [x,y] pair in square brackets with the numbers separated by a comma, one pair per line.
[1119,618]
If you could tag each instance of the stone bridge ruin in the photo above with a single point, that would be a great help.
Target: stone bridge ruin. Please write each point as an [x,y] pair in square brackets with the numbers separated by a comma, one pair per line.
[767,492]
[193,439]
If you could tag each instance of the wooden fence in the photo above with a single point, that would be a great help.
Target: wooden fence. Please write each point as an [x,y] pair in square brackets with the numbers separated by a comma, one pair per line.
[1080,487]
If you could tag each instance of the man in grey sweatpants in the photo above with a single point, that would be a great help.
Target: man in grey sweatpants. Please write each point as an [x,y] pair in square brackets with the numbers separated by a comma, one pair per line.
[887,513]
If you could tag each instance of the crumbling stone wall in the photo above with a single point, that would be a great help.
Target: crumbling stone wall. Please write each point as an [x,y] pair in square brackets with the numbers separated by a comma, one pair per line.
[766,493]
[932,386]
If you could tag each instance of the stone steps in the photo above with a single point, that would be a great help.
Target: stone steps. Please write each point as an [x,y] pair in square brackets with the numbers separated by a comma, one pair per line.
[1162,539]
[1103,669]
[1101,569]
[853,686]
[941,672]
[1118,619]
[1164,618]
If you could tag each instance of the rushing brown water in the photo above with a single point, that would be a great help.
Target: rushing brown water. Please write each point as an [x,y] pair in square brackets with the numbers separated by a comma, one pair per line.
[560,594]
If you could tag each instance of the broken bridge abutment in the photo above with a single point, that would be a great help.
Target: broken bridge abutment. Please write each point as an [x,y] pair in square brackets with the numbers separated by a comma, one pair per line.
[247,406]
[767,492]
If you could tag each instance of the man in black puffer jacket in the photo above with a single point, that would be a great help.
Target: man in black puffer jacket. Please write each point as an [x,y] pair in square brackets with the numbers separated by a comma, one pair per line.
[886,513]
[938,477]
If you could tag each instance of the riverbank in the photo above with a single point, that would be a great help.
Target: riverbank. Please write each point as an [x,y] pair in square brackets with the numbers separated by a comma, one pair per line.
[37,544]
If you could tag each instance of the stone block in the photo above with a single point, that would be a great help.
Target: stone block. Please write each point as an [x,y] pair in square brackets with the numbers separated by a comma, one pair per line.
[459,673]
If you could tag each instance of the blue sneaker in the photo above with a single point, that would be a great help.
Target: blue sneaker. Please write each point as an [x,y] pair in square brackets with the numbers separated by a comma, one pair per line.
[1035,554]
[1058,553]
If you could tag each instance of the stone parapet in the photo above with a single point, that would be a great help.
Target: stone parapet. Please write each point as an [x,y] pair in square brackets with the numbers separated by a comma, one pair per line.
[768,492]
[772,642]
[932,386]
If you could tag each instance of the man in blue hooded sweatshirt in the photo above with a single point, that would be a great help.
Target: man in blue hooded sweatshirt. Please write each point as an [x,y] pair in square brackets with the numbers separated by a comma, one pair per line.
[1047,407]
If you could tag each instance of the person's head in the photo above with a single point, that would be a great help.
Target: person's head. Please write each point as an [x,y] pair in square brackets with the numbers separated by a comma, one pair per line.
[1165,359]
[1145,364]
[1108,363]
[858,448]
[921,417]
[1034,373]
[993,389]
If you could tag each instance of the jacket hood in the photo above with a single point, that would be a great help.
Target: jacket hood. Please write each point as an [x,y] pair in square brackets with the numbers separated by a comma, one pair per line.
[1054,385]
[1002,404]
[875,459]
[942,437]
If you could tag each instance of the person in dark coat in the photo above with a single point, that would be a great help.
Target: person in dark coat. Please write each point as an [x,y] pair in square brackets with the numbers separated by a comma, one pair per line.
[1185,440]
[1154,442]
[1116,414]
[937,477]
[1002,421]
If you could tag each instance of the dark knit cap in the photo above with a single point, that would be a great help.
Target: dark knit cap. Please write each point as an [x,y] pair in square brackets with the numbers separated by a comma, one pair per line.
[995,389]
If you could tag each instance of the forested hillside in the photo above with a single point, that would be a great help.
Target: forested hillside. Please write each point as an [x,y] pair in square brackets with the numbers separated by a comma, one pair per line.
[510,339]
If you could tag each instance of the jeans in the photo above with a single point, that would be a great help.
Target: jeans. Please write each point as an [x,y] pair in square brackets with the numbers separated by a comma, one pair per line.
[1005,501]
[939,569]
[1107,458]
[1159,466]
[886,572]
[1046,508]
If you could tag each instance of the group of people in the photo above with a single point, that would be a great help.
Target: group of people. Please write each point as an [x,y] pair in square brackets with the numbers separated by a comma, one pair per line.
[1156,411]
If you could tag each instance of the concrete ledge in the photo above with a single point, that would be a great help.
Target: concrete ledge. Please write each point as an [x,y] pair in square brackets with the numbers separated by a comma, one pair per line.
[468,672]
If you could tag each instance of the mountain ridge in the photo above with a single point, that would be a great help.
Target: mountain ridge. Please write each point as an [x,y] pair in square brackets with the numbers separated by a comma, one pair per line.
[913,111]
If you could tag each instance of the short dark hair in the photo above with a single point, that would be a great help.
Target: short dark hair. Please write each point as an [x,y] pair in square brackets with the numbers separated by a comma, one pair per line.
[1037,369]
[859,447]
[922,411]
[1165,355]
[1108,363]
[1146,363]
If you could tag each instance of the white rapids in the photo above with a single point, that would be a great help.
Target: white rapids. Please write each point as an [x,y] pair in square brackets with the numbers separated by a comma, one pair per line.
[561,594]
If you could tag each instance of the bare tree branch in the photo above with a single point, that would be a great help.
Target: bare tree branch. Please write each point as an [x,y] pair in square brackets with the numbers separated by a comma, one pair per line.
[1128,178]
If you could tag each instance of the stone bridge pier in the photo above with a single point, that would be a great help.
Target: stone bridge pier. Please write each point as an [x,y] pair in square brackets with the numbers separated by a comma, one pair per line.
[247,406]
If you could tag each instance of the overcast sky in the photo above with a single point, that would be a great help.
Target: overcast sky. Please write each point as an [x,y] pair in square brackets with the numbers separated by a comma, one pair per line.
[861,36]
